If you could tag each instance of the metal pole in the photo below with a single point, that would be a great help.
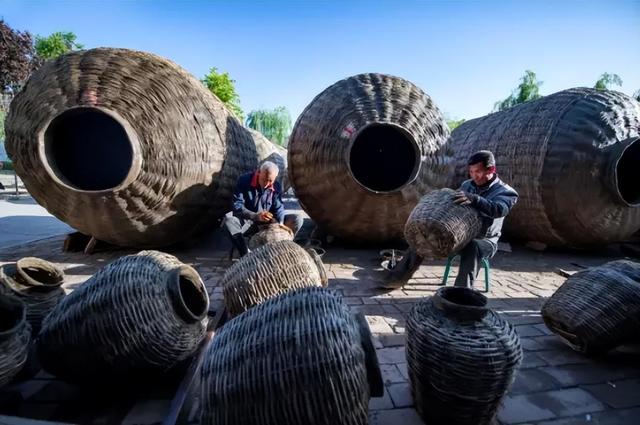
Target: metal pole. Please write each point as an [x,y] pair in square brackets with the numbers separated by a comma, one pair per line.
[15,178]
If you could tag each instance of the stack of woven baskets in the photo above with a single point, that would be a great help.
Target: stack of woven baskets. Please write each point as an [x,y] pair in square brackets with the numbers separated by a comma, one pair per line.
[597,309]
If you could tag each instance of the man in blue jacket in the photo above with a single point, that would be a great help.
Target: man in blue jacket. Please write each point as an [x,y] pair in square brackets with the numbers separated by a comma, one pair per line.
[493,199]
[257,200]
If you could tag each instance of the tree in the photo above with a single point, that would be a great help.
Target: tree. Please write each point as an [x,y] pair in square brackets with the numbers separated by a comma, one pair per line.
[224,88]
[453,124]
[16,56]
[275,124]
[56,44]
[2,117]
[607,80]
[528,89]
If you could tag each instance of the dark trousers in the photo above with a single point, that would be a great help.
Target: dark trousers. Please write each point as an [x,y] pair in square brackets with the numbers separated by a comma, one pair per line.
[237,228]
[470,260]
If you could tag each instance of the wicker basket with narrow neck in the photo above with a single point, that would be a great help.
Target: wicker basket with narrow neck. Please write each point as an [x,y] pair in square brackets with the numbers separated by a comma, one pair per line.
[15,335]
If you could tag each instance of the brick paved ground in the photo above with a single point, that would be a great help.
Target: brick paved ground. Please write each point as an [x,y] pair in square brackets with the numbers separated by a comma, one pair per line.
[555,386]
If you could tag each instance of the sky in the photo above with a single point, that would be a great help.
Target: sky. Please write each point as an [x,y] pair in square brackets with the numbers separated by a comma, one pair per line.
[466,55]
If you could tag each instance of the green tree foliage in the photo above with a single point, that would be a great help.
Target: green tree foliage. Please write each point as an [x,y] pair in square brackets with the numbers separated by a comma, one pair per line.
[453,124]
[56,44]
[528,89]
[606,81]
[224,88]
[16,56]
[275,124]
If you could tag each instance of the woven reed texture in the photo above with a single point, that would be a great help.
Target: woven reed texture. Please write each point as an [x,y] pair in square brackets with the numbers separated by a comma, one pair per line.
[125,319]
[269,151]
[269,271]
[295,359]
[188,150]
[596,310]
[39,300]
[271,233]
[558,152]
[320,145]
[33,271]
[15,334]
[438,227]
[462,358]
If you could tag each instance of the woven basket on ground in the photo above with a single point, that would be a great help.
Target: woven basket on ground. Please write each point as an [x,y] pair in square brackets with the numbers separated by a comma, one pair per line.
[437,227]
[269,151]
[271,233]
[362,154]
[126,146]
[143,312]
[268,271]
[35,282]
[462,358]
[299,358]
[572,156]
[15,334]
[597,309]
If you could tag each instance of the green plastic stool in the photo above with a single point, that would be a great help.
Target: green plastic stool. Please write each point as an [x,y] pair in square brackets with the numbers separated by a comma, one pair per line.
[485,264]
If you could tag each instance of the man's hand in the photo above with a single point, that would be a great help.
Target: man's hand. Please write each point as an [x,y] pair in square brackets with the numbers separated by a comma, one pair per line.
[463,198]
[265,216]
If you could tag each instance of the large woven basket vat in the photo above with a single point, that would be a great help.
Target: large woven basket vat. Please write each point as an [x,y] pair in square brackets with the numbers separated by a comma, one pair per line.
[269,234]
[269,151]
[573,157]
[299,358]
[362,154]
[141,313]
[269,271]
[126,146]
[438,227]
[15,334]
[596,310]
[462,358]
[37,283]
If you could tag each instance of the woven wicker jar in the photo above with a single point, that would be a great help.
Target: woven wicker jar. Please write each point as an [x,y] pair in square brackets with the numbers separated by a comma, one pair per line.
[15,334]
[462,358]
[271,233]
[573,158]
[268,271]
[437,227]
[362,154]
[126,146]
[35,282]
[596,310]
[141,313]
[299,358]
[269,151]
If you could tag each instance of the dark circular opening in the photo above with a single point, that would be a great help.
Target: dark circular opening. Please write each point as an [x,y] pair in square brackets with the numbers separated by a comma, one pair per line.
[464,297]
[88,149]
[11,312]
[193,296]
[628,174]
[384,158]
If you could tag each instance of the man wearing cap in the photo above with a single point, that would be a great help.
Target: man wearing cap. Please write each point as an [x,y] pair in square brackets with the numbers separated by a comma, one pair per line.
[257,200]
[493,199]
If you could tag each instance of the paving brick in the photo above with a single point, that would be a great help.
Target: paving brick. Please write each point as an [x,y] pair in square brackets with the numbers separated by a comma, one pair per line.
[393,340]
[573,375]
[401,395]
[528,331]
[531,381]
[530,344]
[548,405]
[381,403]
[402,367]
[532,360]
[391,355]
[609,417]
[565,356]
[618,394]
[391,374]
[395,417]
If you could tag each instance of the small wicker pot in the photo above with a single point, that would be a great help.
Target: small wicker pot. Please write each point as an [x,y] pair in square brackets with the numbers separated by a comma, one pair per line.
[15,334]
[363,152]
[268,271]
[270,233]
[462,358]
[299,358]
[126,146]
[141,313]
[597,309]
[35,282]
[437,227]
